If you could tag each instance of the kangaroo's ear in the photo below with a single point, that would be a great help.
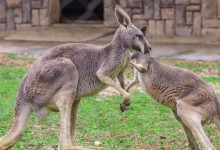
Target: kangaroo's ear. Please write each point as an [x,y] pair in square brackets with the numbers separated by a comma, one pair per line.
[144,30]
[133,54]
[122,16]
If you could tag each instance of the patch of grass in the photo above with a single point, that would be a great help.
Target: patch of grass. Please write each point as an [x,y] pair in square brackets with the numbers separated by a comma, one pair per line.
[145,125]
[19,57]
[196,66]
[212,79]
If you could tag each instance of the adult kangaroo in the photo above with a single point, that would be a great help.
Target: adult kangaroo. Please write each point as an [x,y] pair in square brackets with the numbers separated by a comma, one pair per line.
[66,73]
[191,100]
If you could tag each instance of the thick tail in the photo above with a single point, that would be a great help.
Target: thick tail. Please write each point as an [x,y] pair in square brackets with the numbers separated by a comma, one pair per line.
[216,118]
[22,114]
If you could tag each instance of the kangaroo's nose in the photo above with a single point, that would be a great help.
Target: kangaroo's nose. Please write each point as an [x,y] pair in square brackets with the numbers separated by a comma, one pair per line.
[150,48]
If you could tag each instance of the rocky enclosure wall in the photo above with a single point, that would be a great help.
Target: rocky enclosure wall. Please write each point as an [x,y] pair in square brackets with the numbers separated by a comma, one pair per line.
[163,17]
[18,14]
[171,17]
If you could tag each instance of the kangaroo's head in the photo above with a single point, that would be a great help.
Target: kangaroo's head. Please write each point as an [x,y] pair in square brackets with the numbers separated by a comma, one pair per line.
[132,37]
[139,57]
[143,61]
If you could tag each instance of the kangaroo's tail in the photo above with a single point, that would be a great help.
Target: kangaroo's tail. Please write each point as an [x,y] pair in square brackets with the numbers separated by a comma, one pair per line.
[21,116]
[216,117]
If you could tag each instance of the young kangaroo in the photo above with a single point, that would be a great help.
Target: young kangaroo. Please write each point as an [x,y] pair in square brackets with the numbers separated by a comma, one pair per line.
[192,101]
[66,73]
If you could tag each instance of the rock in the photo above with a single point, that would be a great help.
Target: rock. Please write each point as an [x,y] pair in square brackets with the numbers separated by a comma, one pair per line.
[10,19]
[160,28]
[180,15]
[209,9]
[44,17]
[169,27]
[35,17]
[23,26]
[109,17]
[218,13]
[197,23]
[108,3]
[13,3]
[157,9]
[136,11]
[152,27]
[138,16]
[167,3]
[54,11]
[97,143]
[189,18]
[123,3]
[211,23]
[209,31]
[149,9]
[139,23]
[36,4]
[167,13]
[193,8]
[26,10]
[195,1]
[45,4]
[2,11]
[18,15]
[135,3]
[185,2]
[2,26]
[183,30]
[128,11]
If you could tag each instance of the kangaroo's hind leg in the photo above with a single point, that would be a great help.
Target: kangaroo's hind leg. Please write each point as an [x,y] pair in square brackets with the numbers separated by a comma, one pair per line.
[192,118]
[64,98]
[216,116]
[216,120]
[73,125]
[190,137]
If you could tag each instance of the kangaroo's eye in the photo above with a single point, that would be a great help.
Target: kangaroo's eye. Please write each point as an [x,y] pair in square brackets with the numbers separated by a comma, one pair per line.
[139,36]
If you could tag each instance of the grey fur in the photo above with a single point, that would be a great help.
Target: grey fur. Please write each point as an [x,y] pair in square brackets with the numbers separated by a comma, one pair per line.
[192,100]
[66,73]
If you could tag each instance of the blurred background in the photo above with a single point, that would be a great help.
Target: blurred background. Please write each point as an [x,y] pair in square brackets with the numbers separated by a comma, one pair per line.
[183,29]
[168,17]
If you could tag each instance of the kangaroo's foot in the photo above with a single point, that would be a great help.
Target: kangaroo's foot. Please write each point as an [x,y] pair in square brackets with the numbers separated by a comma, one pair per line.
[193,147]
[126,102]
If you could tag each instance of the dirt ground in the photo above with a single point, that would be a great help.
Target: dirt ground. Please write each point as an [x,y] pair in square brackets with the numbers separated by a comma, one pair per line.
[18,60]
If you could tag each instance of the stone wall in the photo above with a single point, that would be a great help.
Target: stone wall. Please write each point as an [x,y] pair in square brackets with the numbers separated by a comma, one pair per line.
[18,14]
[171,17]
[163,17]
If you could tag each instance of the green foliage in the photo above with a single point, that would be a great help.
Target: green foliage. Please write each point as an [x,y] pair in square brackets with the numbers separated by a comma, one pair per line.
[212,79]
[20,57]
[196,66]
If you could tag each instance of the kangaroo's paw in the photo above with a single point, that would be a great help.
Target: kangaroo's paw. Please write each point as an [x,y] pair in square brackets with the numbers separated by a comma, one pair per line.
[193,147]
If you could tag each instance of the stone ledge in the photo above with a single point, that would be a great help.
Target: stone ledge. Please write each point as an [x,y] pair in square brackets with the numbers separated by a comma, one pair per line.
[212,32]
[13,3]
[211,23]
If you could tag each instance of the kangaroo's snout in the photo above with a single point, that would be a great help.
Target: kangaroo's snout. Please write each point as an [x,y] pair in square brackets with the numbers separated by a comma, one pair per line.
[147,48]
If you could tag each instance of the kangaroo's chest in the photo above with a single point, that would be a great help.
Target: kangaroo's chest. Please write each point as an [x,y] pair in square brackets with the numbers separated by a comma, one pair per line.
[121,66]
[161,92]
[89,82]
